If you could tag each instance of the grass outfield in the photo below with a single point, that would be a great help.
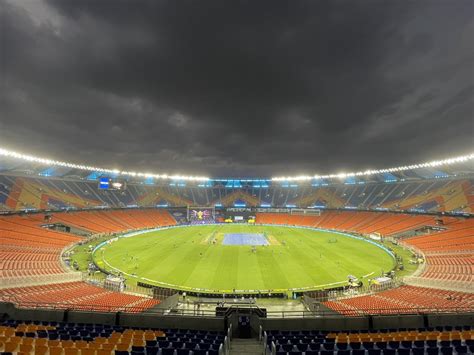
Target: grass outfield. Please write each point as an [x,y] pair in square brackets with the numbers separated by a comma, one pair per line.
[296,258]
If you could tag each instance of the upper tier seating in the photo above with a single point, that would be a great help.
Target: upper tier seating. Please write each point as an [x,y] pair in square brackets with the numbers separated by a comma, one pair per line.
[17,193]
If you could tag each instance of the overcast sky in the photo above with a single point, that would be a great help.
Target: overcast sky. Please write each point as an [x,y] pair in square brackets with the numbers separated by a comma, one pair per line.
[237,88]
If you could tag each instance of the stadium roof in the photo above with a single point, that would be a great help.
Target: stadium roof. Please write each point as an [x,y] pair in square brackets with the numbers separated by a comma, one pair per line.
[100,171]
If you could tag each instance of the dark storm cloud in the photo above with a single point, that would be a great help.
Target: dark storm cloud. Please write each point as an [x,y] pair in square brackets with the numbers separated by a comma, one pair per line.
[244,87]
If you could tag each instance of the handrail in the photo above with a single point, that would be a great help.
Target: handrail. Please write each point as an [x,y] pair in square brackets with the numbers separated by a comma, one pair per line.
[211,313]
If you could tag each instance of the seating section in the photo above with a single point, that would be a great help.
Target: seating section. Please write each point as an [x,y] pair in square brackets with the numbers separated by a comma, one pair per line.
[458,237]
[432,195]
[17,262]
[76,296]
[27,249]
[54,338]
[115,220]
[440,340]
[449,253]
[404,299]
[454,267]
[361,222]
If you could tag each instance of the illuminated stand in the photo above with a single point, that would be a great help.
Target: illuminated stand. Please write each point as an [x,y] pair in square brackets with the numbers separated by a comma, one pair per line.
[200,215]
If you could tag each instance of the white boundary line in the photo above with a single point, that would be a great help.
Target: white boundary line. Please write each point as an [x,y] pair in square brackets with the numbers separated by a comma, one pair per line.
[206,290]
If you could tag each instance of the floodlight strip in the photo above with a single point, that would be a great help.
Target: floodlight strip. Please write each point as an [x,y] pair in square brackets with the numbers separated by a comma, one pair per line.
[435,163]
[34,159]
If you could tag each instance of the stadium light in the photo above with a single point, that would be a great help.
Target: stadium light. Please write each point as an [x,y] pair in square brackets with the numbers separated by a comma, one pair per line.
[431,164]
[34,159]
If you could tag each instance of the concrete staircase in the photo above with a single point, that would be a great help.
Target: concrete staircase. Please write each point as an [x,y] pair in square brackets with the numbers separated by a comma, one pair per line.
[245,347]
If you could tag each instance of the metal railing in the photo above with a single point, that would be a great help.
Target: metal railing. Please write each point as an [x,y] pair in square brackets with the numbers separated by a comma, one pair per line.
[212,313]
[452,285]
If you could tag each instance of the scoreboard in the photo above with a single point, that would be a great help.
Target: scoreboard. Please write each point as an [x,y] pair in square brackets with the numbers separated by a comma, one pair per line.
[201,214]
[106,183]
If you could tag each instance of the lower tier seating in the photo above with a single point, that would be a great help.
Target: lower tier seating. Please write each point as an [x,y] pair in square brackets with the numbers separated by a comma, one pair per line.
[77,296]
[404,299]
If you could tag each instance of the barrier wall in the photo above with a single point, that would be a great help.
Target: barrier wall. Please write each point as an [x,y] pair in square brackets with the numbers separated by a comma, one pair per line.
[8,310]
[147,320]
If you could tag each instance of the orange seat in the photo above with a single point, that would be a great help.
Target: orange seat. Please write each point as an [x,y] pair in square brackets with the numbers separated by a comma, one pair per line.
[55,351]
[11,347]
[67,344]
[108,346]
[28,341]
[71,351]
[40,349]
[88,351]
[122,347]
[26,348]
[41,342]
[53,343]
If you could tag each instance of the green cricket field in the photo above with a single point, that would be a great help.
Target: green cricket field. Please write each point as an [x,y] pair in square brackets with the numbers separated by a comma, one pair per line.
[198,257]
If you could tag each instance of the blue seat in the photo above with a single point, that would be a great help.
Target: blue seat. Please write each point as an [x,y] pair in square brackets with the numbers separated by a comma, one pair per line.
[456,342]
[403,351]
[407,344]
[328,346]
[418,351]
[302,347]
[461,349]
[151,350]
[389,351]
[374,351]
[286,347]
[354,345]
[432,343]
[446,350]
[163,343]
[368,345]
[394,344]
[432,351]
[315,346]
[358,352]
